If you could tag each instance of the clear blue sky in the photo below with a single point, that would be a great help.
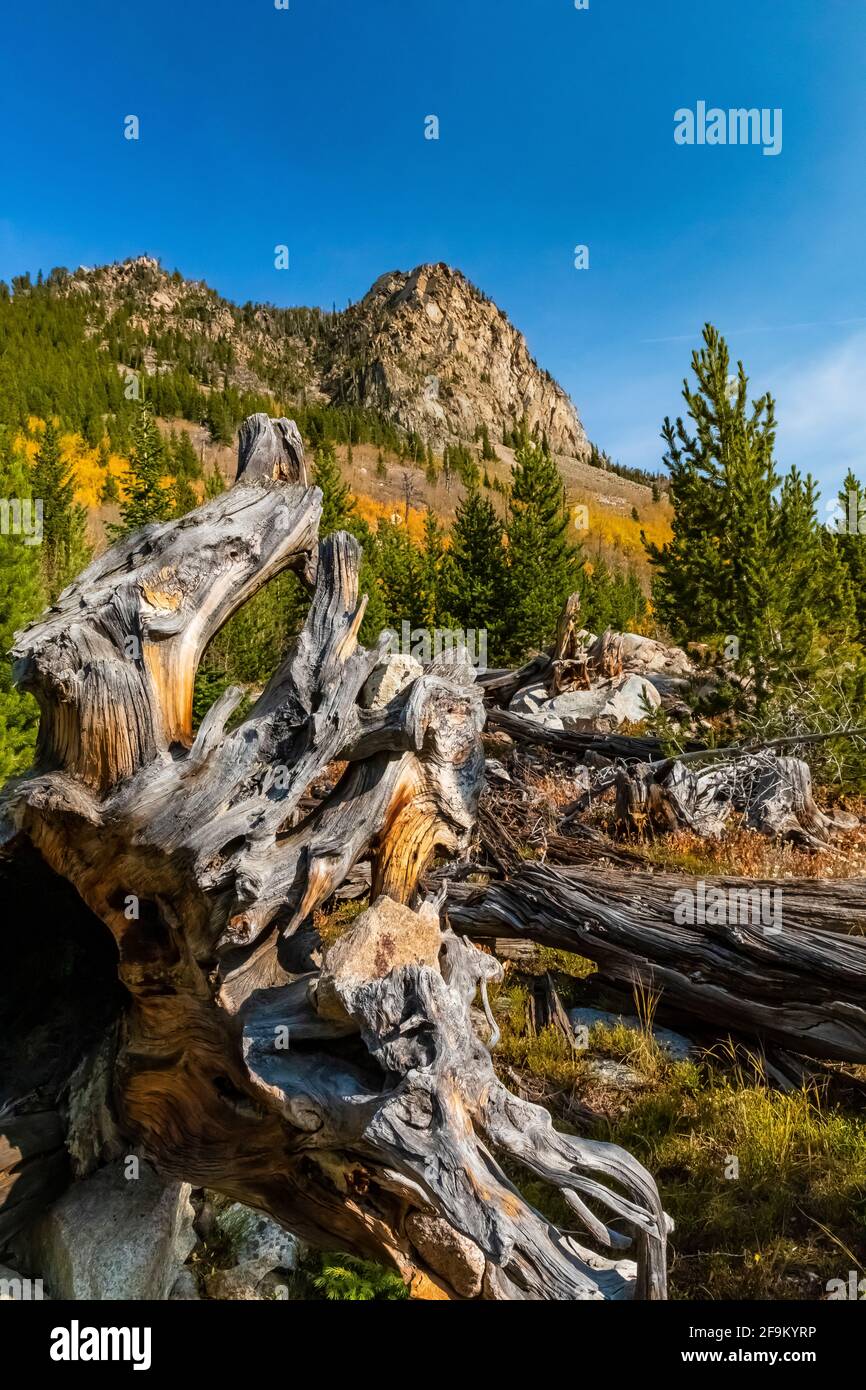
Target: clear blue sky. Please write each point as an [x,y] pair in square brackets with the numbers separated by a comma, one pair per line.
[306,127]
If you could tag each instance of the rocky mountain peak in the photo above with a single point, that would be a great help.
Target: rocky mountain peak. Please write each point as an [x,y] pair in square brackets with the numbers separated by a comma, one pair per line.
[441,358]
[425,348]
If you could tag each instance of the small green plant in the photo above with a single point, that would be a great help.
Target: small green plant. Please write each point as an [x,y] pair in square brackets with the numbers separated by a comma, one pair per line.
[348,1279]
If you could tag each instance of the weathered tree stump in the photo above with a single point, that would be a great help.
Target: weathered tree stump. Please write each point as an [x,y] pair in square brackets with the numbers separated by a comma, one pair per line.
[370,1127]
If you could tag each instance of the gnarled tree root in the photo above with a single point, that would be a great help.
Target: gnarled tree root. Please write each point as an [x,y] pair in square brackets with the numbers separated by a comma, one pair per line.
[374,1130]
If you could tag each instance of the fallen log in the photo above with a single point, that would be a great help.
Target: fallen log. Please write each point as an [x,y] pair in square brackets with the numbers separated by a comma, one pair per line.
[783,961]
[771,794]
[630,748]
[369,1124]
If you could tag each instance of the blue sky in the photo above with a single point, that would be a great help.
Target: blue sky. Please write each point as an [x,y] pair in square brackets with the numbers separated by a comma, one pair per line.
[305,126]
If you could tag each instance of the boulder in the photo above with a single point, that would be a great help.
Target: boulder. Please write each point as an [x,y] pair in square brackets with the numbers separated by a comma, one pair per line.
[448,1253]
[615,1075]
[629,699]
[258,1246]
[677,1047]
[530,699]
[580,704]
[644,655]
[112,1237]
[547,717]
[185,1287]
[388,678]
[387,935]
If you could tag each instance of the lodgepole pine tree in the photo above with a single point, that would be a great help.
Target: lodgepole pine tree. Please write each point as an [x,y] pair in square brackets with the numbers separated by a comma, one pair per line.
[338,504]
[543,565]
[474,578]
[850,541]
[22,596]
[146,499]
[431,565]
[746,560]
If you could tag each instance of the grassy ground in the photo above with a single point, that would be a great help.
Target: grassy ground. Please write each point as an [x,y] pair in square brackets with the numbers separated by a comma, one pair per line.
[767,1189]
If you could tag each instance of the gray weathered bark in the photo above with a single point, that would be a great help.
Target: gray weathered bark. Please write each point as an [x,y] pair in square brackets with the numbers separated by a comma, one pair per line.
[789,969]
[374,1132]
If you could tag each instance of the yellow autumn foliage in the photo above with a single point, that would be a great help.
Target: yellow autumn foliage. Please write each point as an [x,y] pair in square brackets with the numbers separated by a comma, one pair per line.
[611,530]
[373,512]
[87,467]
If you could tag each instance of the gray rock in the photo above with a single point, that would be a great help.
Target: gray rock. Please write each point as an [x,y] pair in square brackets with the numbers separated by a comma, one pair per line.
[109,1237]
[185,1288]
[668,685]
[262,1238]
[494,769]
[645,656]
[259,1246]
[384,937]
[677,1047]
[388,678]
[580,704]
[529,700]
[610,701]
[629,701]
[548,718]
[617,1075]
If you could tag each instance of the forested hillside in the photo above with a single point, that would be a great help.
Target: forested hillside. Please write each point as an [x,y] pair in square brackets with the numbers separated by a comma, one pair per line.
[121,390]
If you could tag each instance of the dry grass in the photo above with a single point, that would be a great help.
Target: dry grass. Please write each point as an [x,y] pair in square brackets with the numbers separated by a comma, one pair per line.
[748,854]
[767,1190]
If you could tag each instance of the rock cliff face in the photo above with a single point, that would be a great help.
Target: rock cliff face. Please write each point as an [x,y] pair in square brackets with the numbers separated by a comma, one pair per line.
[426,349]
[436,355]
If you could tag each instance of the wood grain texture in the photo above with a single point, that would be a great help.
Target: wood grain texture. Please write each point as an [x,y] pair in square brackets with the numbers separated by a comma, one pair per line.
[798,981]
[205,858]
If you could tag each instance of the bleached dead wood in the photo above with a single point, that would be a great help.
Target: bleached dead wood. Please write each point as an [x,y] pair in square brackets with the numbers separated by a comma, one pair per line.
[202,854]
[788,969]
[769,793]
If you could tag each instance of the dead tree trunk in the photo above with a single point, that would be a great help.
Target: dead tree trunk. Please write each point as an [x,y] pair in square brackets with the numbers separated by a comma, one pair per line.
[789,969]
[772,794]
[371,1127]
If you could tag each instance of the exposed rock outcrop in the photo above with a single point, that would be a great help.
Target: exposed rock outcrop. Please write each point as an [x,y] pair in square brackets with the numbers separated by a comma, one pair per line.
[439,357]
[424,348]
[112,1237]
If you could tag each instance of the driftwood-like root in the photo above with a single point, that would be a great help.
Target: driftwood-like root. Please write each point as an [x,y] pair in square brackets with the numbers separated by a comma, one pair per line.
[370,1126]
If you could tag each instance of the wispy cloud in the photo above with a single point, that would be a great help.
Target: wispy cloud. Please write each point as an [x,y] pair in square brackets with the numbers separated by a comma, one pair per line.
[822,413]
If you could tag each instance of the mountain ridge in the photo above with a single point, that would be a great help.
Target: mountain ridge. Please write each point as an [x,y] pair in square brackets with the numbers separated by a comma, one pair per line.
[425,349]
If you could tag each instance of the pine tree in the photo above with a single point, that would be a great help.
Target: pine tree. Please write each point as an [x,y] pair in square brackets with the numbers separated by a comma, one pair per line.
[743,562]
[218,420]
[184,498]
[850,543]
[146,499]
[185,462]
[542,563]
[488,453]
[338,504]
[611,598]
[474,582]
[21,598]
[64,549]
[430,572]
[214,484]
[398,564]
